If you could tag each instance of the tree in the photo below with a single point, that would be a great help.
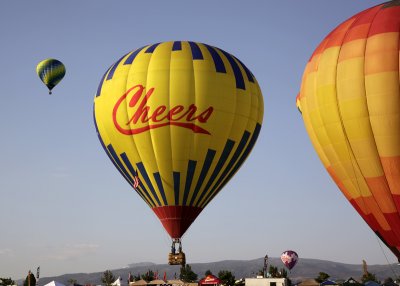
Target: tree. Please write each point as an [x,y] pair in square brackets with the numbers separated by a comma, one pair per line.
[6,282]
[108,278]
[137,277]
[71,281]
[322,276]
[273,271]
[367,276]
[149,276]
[30,279]
[227,278]
[187,274]
[208,272]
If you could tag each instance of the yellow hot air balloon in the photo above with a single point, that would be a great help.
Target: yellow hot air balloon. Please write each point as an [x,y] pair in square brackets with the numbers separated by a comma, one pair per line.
[178,119]
[350,103]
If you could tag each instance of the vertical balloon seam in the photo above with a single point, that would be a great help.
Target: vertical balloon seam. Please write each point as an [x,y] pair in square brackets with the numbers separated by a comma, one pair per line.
[156,192]
[394,229]
[317,53]
[177,47]
[351,155]
[351,161]
[220,68]
[174,48]
[198,55]
[139,164]
[222,165]
[372,191]
[129,61]
[199,183]
[206,189]
[200,188]
[213,192]
[123,155]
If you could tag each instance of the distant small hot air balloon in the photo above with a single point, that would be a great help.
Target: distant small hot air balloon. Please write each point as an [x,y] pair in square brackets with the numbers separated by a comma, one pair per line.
[51,72]
[289,259]
[178,119]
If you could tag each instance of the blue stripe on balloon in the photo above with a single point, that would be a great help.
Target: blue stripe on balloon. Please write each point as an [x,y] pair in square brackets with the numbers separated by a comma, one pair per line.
[177,183]
[204,170]
[189,178]
[242,158]
[236,71]
[224,156]
[148,182]
[101,84]
[177,46]
[133,174]
[151,48]
[235,157]
[160,186]
[117,161]
[114,67]
[218,62]
[249,74]
[196,52]
[129,60]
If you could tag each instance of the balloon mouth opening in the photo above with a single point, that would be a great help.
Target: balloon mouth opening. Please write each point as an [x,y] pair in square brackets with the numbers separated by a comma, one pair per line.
[176,219]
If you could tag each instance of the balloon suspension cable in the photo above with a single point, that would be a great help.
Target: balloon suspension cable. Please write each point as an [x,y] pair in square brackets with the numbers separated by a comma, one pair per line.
[173,246]
[176,256]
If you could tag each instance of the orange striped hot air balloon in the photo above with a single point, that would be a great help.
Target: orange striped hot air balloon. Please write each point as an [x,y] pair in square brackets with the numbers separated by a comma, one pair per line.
[350,104]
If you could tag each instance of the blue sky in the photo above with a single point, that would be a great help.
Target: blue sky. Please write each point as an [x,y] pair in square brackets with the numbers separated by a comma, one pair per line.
[64,206]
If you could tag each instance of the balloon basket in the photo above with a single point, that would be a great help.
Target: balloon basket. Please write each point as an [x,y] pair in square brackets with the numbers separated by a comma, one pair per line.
[176,258]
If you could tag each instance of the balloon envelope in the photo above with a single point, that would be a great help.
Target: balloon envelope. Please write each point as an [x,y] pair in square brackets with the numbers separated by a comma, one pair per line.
[51,72]
[178,119]
[289,258]
[350,103]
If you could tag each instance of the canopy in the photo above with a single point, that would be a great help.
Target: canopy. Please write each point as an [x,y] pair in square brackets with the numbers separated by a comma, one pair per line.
[175,282]
[156,282]
[54,283]
[140,282]
[117,282]
[210,280]
[309,282]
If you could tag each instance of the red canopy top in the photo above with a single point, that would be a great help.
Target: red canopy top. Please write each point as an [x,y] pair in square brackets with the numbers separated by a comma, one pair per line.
[210,279]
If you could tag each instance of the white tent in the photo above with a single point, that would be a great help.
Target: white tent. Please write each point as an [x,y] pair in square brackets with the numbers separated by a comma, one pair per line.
[54,283]
[117,282]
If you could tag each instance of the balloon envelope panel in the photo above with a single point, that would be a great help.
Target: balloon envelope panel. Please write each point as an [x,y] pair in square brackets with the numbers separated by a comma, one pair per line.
[184,116]
[289,258]
[50,72]
[350,103]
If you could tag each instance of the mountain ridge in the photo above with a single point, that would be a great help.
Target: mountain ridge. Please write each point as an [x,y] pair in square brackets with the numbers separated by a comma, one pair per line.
[305,268]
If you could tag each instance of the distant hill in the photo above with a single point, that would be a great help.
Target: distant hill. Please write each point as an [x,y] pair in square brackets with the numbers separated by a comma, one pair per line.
[306,268]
